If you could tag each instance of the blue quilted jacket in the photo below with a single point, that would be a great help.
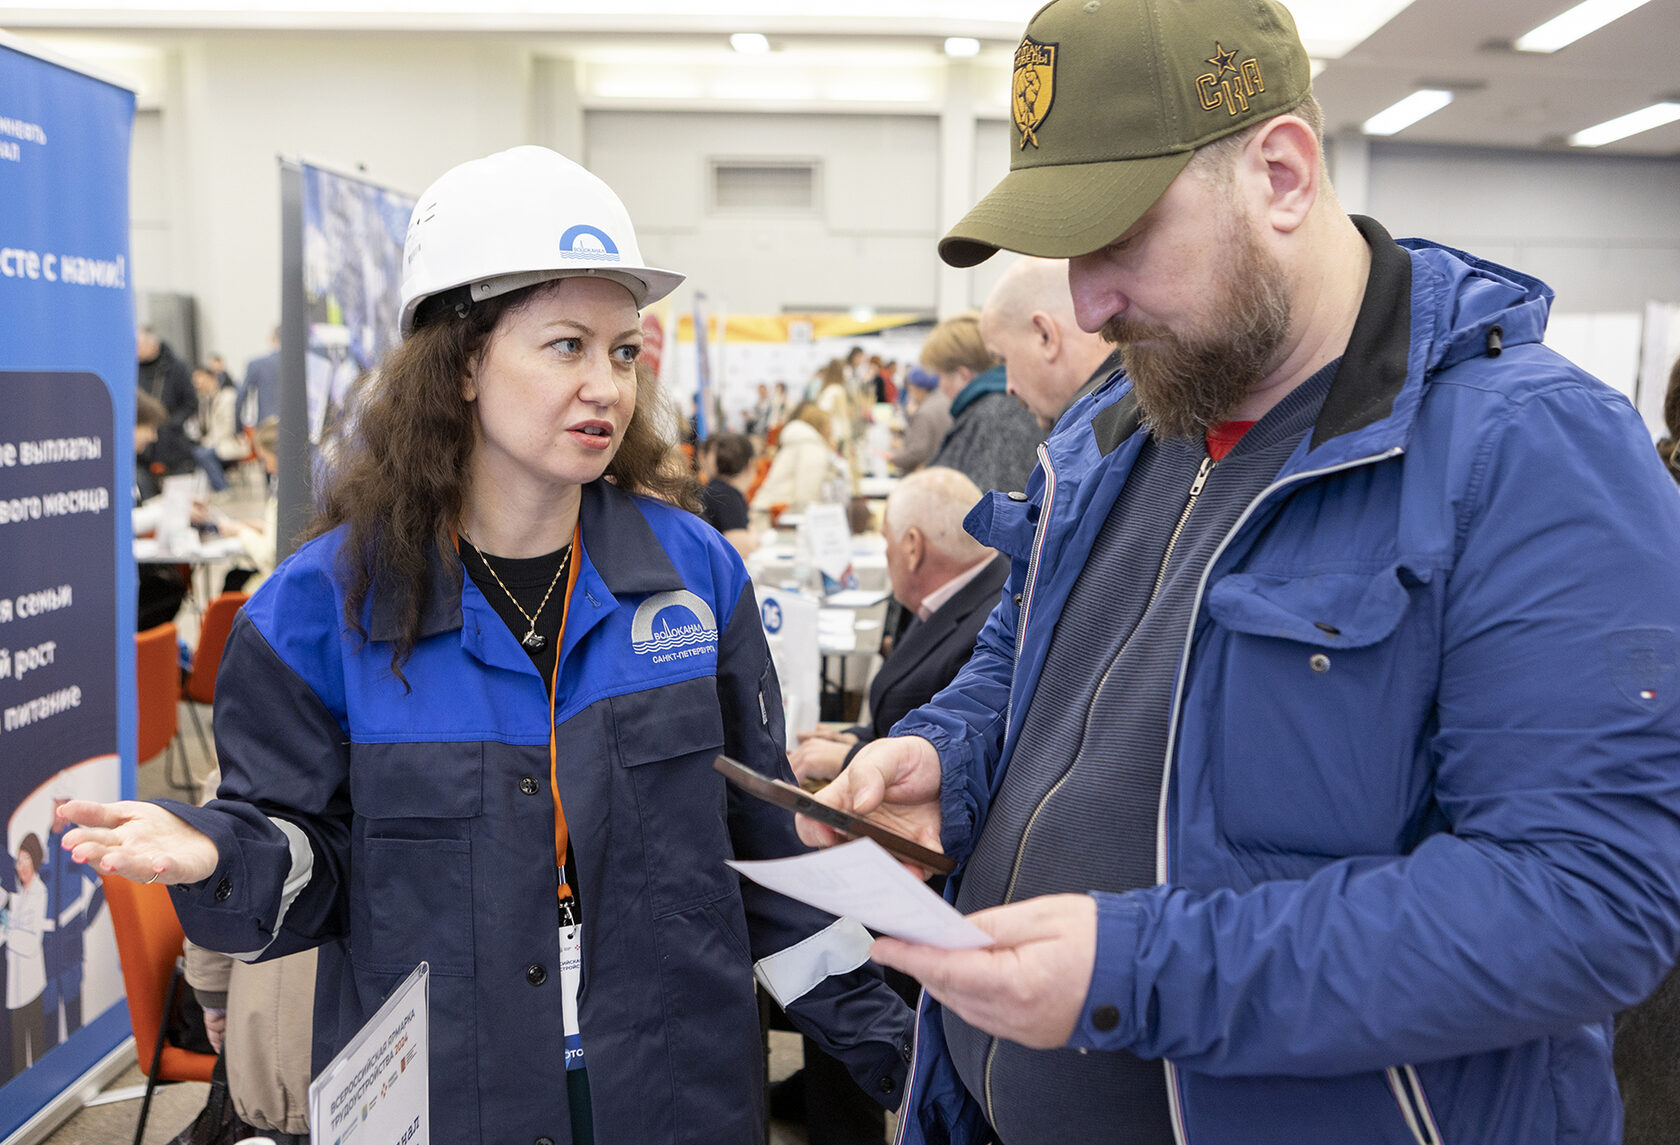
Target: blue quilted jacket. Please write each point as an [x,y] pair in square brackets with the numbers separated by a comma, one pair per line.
[1419,831]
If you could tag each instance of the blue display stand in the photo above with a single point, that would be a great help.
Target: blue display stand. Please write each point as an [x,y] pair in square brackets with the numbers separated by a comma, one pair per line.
[67,574]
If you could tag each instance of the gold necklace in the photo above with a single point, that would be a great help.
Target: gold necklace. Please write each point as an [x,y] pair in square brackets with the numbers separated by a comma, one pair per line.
[531,639]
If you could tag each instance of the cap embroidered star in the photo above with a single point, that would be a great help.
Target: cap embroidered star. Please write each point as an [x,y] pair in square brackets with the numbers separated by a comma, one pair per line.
[1110,100]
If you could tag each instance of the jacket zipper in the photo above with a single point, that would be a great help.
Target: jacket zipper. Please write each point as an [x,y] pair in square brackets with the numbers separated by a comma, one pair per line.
[905,1110]
[1174,1107]
[1032,577]
[1196,487]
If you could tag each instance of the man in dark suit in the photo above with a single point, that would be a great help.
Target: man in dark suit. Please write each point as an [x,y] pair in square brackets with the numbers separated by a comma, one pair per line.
[948,582]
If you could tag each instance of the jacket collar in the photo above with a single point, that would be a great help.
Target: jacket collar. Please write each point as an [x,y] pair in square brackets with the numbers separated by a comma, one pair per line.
[621,553]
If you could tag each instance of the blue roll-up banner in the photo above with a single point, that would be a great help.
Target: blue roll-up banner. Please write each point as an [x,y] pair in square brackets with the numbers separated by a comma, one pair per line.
[67,579]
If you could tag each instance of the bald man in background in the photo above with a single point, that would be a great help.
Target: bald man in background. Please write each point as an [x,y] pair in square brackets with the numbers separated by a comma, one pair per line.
[1028,324]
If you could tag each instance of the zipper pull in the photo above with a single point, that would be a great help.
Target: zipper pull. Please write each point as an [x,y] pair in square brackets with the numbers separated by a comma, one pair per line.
[1201,477]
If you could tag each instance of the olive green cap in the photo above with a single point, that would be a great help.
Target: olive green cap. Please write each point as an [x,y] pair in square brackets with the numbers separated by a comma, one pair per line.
[1110,100]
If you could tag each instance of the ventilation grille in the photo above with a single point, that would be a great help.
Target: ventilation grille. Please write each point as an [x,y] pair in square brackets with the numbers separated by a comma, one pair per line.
[764,186]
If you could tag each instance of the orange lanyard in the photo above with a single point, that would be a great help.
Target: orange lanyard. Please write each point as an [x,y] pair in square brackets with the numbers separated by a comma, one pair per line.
[562,838]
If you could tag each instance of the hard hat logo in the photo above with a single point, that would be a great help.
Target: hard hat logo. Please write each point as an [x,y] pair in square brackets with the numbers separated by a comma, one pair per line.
[585,241]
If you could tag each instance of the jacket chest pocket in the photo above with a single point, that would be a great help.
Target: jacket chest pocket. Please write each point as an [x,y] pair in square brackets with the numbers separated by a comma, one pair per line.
[1316,691]
[665,739]
[411,855]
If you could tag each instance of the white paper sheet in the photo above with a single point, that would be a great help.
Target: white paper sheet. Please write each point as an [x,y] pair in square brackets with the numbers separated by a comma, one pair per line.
[860,880]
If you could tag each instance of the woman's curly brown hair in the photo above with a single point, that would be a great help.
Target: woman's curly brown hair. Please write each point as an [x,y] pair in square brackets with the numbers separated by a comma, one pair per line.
[400,484]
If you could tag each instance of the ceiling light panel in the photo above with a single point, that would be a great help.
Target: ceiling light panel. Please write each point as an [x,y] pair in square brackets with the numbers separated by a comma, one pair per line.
[1633,123]
[1582,20]
[1419,105]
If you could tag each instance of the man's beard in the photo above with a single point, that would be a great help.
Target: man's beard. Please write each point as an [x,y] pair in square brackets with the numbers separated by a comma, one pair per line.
[1186,383]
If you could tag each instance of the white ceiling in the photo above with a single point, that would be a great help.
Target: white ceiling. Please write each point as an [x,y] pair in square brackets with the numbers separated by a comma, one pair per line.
[1504,98]
[1523,99]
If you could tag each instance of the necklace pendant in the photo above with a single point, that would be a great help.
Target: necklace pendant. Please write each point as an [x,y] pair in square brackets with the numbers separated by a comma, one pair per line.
[533,641]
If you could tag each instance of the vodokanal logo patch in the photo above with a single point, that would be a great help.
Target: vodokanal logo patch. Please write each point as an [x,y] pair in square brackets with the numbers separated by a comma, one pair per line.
[585,241]
[673,626]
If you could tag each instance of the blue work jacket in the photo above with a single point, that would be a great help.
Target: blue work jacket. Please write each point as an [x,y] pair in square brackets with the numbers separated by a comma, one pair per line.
[427,813]
[1419,825]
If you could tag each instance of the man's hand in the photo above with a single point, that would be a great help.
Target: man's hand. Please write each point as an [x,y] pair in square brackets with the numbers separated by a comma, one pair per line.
[215,1027]
[139,841]
[894,782]
[1030,987]
[820,755]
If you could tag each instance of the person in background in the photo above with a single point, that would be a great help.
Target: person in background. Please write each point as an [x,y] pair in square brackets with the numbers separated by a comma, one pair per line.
[758,418]
[948,582]
[1028,324]
[1318,773]
[492,686]
[725,473]
[804,465]
[837,399]
[258,1017]
[778,407]
[217,365]
[216,427]
[26,978]
[259,393]
[855,373]
[929,420]
[992,439]
[161,587]
[167,379]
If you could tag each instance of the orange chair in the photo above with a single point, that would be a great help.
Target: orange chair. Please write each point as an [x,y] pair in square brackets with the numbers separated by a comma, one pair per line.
[149,941]
[157,684]
[200,686]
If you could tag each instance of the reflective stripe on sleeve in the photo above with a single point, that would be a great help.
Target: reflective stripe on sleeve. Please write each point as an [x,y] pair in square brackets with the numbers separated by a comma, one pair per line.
[792,973]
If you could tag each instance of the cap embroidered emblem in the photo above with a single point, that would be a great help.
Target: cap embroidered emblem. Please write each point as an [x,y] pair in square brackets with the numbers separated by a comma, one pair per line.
[1216,90]
[1221,59]
[1033,87]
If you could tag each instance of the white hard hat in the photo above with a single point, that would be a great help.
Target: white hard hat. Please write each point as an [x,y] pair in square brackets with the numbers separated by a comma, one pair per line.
[516,218]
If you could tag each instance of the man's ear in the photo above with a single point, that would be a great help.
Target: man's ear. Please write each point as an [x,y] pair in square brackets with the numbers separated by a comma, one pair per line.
[1047,335]
[915,548]
[1285,165]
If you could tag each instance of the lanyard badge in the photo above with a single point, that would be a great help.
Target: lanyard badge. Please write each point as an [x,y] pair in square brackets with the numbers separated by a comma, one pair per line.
[571,976]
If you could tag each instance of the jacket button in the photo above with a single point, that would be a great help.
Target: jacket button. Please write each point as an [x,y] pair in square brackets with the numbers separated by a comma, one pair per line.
[1319,663]
[224,890]
[885,1085]
[528,786]
[545,1141]
[907,1051]
[1017,495]
[1105,1018]
[536,974]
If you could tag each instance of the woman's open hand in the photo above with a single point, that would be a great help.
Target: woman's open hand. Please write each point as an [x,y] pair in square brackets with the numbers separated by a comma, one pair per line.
[139,841]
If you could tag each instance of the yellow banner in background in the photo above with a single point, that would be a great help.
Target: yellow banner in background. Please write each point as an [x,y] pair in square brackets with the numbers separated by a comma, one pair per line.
[792,327]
